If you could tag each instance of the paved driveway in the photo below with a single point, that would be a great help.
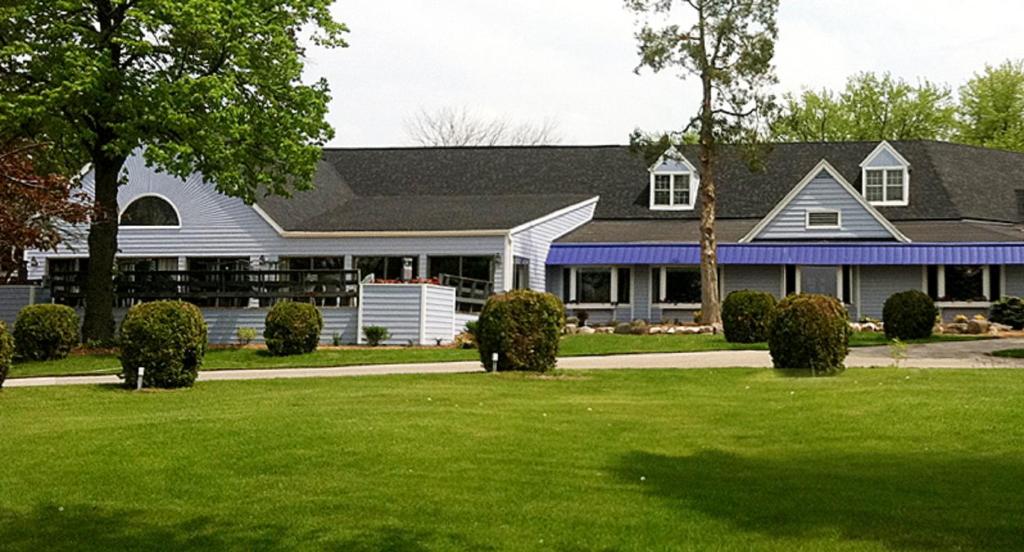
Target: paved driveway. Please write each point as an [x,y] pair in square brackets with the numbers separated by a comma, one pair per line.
[953,354]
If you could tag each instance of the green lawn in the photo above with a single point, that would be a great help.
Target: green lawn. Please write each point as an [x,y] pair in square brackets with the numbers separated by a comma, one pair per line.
[727,459]
[576,345]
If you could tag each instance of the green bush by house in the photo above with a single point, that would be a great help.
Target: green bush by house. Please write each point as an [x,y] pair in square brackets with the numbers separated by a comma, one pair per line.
[523,327]
[375,335]
[909,315]
[45,332]
[6,352]
[809,332]
[745,316]
[1009,311]
[293,328]
[168,339]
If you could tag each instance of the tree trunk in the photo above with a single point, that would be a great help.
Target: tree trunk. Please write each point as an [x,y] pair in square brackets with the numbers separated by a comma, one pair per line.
[99,285]
[710,306]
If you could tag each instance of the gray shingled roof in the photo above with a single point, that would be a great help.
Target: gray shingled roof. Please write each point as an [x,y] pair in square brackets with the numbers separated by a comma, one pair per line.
[431,188]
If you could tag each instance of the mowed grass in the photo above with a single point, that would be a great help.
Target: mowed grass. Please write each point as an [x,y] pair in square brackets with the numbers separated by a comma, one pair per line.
[574,345]
[727,459]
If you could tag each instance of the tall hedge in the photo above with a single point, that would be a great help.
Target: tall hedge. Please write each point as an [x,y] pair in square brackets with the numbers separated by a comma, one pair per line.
[746,314]
[6,352]
[909,315]
[293,328]
[523,327]
[45,332]
[168,339]
[809,332]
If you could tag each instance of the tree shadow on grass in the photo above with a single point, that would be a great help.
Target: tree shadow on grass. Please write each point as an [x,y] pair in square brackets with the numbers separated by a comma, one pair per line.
[912,502]
[86,527]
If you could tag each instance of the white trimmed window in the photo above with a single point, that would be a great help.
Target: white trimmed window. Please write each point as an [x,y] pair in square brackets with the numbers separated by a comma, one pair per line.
[599,285]
[886,186]
[672,191]
[823,219]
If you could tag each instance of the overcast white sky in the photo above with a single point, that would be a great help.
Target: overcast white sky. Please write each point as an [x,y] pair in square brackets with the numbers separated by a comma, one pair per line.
[572,60]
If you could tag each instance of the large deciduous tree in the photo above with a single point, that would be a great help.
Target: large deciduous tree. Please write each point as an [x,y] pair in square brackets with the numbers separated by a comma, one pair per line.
[38,210]
[991,112]
[728,45]
[203,85]
[870,107]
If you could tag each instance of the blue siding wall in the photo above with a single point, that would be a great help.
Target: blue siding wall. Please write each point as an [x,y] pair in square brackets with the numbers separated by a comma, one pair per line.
[885,159]
[642,292]
[756,277]
[824,193]
[877,283]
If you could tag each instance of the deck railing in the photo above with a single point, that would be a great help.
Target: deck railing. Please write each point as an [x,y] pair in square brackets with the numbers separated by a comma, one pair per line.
[224,288]
[470,293]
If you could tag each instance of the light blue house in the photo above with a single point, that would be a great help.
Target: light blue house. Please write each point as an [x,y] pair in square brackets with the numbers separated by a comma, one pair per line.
[600,228]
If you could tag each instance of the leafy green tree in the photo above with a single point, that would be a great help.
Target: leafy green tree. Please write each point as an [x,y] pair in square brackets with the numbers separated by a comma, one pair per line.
[203,85]
[870,107]
[728,45]
[991,109]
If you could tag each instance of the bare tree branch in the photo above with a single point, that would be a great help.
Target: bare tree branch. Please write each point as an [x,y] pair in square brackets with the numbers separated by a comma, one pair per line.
[452,127]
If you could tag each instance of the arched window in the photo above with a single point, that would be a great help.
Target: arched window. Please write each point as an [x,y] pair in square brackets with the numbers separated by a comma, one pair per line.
[150,211]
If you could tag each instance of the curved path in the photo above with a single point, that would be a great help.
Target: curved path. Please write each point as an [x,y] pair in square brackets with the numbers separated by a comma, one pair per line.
[949,354]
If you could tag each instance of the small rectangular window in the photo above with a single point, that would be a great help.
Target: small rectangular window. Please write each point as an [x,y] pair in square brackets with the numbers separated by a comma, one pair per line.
[933,282]
[624,286]
[663,189]
[874,185]
[965,283]
[682,285]
[995,287]
[894,185]
[671,190]
[822,219]
[594,285]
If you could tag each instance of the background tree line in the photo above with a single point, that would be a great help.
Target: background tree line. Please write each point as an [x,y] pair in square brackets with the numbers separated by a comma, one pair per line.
[987,111]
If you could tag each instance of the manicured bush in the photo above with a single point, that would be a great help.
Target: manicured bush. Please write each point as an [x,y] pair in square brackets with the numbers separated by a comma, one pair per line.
[292,328]
[1008,311]
[168,339]
[809,332]
[6,352]
[375,335]
[246,335]
[909,315]
[523,327]
[45,332]
[745,316]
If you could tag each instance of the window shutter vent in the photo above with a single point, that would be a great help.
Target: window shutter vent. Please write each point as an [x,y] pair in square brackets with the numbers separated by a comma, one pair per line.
[823,219]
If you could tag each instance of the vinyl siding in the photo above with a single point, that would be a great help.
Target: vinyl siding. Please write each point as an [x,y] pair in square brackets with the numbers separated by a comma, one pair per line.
[395,307]
[1014,275]
[642,292]
[534,242]
[223,323]
[216,225]
[440,315]
[877,283]
[15,298]
[824,192]
[767,278]
[885,158]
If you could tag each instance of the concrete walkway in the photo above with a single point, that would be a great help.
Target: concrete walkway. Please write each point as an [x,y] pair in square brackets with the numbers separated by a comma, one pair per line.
[952,354]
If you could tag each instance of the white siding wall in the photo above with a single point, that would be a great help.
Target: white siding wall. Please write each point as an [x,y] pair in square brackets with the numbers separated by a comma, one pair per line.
[534,242]
[439,313]
[395,307]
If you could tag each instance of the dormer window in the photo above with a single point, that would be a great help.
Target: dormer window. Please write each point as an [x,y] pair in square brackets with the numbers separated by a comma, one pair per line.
[886,177]
[673,185]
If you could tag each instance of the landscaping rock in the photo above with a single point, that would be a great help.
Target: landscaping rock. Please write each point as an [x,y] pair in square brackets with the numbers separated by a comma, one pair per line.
[688,330]
[655,330]
[996,327]
[571,329]
[606,330]
[586,330]
[977,327]
[955,328]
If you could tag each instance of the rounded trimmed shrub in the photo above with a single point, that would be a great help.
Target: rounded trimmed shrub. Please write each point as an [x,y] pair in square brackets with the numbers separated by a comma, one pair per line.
[909,315]
[168,339]
[809,332]
[45,332]
[293,328]
[6,352]
[1008,311]
[523,327]
[746,314]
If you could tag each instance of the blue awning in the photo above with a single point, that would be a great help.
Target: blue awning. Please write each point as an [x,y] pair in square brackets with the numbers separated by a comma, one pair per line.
[860,253]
